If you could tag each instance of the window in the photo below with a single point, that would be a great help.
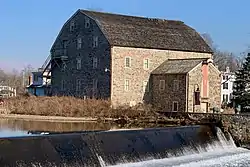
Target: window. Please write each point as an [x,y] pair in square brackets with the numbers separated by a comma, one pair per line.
[225,98]
[64,66]
[65,44]
[95,62]
[225,77]
[175,106]
[95,42]
[146,64]
[126,85]
[78,85]
[79,43]
[72,25]
[78,63]
[231,96]
[145,86]
[162,85]
[176,85]
[35,78]
[127,62]
[95,84]
[225,85]
[87,22]
[63,85]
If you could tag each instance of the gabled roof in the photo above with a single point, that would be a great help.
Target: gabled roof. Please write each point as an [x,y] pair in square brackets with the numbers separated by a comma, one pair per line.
[177,66]
[132,31]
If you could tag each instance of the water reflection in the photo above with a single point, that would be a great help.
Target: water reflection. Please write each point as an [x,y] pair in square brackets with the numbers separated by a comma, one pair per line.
[25,125]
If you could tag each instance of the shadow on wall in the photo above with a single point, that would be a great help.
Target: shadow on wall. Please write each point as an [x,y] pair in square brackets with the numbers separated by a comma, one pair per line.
[147,97]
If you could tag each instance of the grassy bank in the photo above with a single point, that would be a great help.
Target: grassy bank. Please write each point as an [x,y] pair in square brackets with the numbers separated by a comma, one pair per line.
[69,107]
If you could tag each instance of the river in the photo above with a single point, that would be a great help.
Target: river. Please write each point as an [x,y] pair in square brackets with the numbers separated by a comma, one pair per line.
[222,154]
[12,127]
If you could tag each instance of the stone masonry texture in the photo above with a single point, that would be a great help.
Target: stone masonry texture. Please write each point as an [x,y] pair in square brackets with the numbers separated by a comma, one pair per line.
[111,82]
[136,73]
[86,74]
[194,80]
[214,81]
[214,86]
[163,99]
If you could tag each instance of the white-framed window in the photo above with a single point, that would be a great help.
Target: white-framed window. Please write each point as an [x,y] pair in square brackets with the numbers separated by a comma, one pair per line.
[146,64]
[95,62]
[127,62]
[79,43]
[225,77]
[78,85]
[127,84]
[72,25]
[225,98]
[175,106]
[175,85]
[225,85]
[95,84]
[63,85]
[87,22]
[95,41]
[145,86]
[78,63]
[162,85]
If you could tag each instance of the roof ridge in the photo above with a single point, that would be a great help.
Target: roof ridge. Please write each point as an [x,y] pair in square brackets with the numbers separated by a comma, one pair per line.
[126,15]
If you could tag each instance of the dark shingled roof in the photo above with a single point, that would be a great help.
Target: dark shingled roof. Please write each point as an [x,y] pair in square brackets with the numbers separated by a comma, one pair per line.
[177,66]
[132,31]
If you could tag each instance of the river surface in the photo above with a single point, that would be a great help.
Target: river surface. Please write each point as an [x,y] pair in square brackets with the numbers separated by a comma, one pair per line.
[11,127]
[220,155]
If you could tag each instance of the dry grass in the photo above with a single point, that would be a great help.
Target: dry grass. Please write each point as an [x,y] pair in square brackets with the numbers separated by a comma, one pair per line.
[228,110]
[69,107]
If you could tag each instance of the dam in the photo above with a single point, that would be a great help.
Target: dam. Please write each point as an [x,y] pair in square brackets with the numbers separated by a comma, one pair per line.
[199,145]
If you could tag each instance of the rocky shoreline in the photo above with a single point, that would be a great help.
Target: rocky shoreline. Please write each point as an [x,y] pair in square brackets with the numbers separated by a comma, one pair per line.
[238,126]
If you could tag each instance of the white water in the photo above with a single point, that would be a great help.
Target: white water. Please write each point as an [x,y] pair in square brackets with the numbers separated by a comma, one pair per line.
[222,153]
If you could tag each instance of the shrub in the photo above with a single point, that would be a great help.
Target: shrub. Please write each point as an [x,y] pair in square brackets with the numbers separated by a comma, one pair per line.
[70,107]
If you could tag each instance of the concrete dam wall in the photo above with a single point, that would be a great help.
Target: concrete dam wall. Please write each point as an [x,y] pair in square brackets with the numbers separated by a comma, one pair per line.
[104,148]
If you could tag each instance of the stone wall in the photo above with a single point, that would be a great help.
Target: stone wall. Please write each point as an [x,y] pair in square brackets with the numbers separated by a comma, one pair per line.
[214,90]
[194,82]
[238,126]
[136,74]
[163,99]
[214,86]
[235,124]
[86,74]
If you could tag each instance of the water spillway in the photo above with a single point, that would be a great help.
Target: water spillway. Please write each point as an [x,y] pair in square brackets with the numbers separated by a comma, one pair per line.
[109,148]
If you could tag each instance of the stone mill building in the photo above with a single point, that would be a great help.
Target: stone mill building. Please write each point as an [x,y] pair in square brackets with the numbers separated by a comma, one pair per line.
[133,60]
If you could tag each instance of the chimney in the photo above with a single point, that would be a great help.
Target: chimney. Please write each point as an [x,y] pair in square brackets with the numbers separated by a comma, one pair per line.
[204,79]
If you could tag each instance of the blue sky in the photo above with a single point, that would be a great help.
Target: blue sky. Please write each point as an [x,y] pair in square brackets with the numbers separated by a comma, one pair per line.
[29,27]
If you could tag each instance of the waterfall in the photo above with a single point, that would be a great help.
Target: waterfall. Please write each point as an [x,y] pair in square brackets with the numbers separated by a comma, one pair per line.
[221,144]
[132,148]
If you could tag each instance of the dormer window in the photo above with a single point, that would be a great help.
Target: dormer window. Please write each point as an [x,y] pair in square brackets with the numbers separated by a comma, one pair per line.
[87,22]
[72,25]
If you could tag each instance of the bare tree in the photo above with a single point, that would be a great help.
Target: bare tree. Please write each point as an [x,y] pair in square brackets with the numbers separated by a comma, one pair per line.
[222,59]
[16,79]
